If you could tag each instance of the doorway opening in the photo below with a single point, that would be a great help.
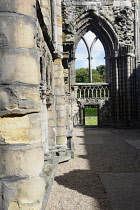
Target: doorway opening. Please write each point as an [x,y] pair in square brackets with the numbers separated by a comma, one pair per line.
[91,115]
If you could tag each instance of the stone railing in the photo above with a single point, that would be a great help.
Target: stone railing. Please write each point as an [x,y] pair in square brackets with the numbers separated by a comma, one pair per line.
[98,91]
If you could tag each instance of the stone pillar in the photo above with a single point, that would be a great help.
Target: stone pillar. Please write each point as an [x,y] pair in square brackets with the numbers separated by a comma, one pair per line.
[132,87]
[112,90]
[59,26]
[47,13]
[117,89]
[59,90]
[72,73]
[138,27]
[139,91]
[59,86]
[122,90]
[54,22]
[128,89]
[52,125]
[22,156]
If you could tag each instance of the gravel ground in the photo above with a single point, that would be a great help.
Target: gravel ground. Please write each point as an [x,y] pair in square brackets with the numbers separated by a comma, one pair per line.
[77,184]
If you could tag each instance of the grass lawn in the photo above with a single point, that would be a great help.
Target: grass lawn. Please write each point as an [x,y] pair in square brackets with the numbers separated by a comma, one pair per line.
[91,120]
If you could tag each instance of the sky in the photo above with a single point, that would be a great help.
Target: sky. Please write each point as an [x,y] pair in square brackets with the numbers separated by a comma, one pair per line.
[98,53]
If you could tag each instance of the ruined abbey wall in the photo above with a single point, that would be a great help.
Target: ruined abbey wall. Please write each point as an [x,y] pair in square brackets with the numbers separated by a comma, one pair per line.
[32,100]
[37,92]
[116,24]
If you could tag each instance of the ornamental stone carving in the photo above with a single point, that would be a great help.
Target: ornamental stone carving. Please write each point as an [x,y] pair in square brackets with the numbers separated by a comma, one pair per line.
[124,24]
[121,18]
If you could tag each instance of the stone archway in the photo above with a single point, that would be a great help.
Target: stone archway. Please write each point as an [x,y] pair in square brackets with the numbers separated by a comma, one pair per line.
[114,25]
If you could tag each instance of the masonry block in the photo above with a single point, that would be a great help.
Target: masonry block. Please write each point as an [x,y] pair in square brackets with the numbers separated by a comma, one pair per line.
[19,65]
[61,131]
[27,7]
[59,80]
[61,140]
[52,114]
[60,91]
[58,73]
[61,113]
[22,194]
[52,131]
[21,160]
[52,141]
[45,3]
[60,40]
[59,31]
[51,122]
[60,100]
[21,129]
[61,122]
[21,28]
[58,2]
[60,107]
[19,98]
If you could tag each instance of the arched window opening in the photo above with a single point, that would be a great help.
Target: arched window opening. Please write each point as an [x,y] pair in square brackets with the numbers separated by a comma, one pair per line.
[90,63]
[81,63]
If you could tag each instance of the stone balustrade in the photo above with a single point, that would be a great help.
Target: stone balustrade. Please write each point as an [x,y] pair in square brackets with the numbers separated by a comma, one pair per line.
[92,91]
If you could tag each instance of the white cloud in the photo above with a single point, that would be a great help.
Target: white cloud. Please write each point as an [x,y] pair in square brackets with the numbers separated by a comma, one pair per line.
[97,53]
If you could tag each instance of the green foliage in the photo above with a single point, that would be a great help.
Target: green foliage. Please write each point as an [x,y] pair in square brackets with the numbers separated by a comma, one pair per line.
[102,71]
[65,36]
[98,75]
[82,75]
[90,111]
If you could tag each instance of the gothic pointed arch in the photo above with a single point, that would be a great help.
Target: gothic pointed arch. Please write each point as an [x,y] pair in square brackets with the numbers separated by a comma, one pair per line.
[114,24]
[89,21]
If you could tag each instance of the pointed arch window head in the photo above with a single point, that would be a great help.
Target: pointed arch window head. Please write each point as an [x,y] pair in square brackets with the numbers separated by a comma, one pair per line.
[90,53]
[89,49]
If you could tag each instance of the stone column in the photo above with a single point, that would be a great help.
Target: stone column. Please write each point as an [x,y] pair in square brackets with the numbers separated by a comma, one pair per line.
[128,90]
[117,89]
[59,26]
[72,73]
[59,90]
[112,89]
[54,22]
[59,86]
[22,156]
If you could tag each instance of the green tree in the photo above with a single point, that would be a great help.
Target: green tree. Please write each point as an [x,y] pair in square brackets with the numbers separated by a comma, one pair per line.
[98,75]
[102,71]
[82,75]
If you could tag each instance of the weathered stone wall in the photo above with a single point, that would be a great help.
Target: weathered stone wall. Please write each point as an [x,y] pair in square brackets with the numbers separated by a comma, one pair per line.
[115,23]
[32,100]
[22,153]
[37,102]
[139,59]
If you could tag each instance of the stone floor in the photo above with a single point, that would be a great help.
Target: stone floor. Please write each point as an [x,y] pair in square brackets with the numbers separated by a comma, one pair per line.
[104,175]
